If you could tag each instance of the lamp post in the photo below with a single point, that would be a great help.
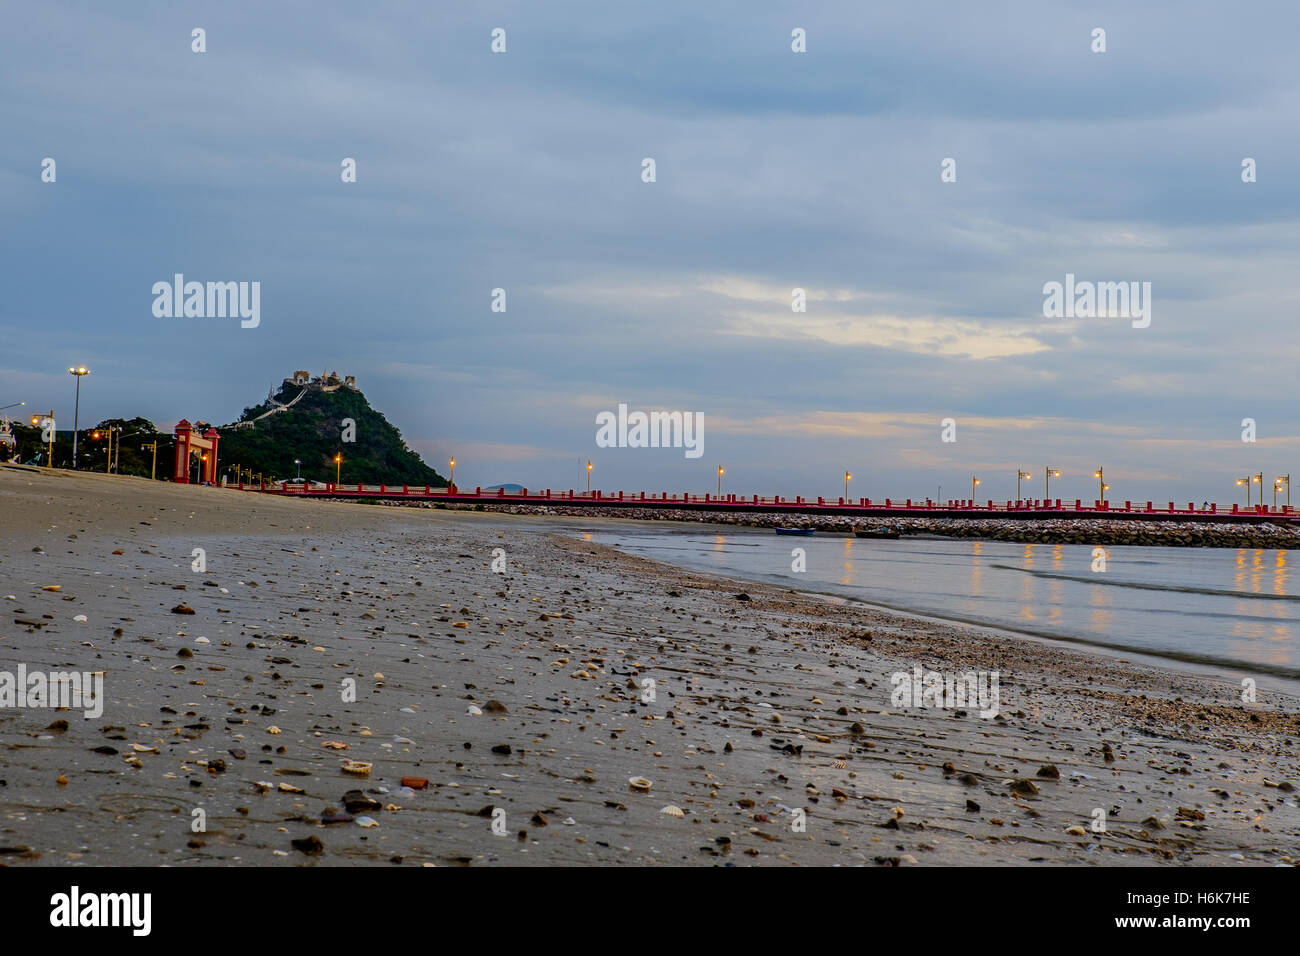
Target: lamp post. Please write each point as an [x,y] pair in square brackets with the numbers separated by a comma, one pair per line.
[974,483]
[1099,474]
[79,371]
[721,472]
[451,482]
[1277,483]
[1048,474]
[49,424]
[298,462]
[1258,478]
[847,478]
[338,465]
[1020,476]
[589,478]
[1245,481]
[153,469]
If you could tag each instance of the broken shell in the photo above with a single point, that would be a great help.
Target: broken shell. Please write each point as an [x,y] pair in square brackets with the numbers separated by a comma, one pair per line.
[359,767]
[639,784]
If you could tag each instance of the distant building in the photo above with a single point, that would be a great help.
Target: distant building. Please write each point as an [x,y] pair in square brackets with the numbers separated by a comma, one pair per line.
[327,380]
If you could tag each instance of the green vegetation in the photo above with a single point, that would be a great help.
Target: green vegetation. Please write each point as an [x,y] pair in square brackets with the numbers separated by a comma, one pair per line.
[312,430]
[128,437]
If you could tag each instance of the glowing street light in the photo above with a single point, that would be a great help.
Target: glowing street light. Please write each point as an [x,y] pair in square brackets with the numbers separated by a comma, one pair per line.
[721,472]
[338,464]
[974,483]
[79,371]
[1278,483]
[1020,476]
[298,462]
[588,478]
[451,482]
[847,478]
[1099,474]
[1245,481]
[1048,474]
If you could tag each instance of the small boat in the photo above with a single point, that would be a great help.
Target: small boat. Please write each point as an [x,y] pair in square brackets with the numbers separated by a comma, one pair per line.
[803,531]
[888,533]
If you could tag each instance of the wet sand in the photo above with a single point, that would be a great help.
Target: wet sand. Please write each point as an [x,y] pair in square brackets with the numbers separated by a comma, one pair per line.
[762,707]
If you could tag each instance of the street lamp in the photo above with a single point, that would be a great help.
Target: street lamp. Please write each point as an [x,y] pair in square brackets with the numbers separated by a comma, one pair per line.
[79,371]
[1277,483]
[1048,474]
[153,469]
[721,472]
[1020,475]
[47,422]
[588,478]
[847,478]
[298,462]
[338,464]
[974,483]
[1099,474]
[1245,481]
[451,482]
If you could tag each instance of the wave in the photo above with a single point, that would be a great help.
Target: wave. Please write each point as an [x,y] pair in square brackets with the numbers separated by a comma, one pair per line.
[1143,586]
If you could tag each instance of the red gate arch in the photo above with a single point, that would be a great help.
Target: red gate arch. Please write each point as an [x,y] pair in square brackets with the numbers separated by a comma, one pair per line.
[188,442]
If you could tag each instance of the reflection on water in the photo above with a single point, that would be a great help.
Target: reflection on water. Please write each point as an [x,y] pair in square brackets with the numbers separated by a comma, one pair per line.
[1209,605]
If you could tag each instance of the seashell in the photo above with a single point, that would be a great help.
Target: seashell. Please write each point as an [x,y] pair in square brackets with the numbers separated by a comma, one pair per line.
[358,767]
[673,811]
[52,587]
[144,749]
[290,788]
[1076,831]
[367,822]
[474,711]
[336,745]
[273,729]
[81,617]
[639,784]
[460,624]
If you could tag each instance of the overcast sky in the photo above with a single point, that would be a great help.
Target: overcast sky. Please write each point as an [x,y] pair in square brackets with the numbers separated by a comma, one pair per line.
[774,170]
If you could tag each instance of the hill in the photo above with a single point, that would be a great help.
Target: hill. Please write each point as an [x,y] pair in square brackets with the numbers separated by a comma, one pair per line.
[309,422]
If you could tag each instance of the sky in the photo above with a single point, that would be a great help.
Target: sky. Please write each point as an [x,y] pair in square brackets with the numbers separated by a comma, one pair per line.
[774,170]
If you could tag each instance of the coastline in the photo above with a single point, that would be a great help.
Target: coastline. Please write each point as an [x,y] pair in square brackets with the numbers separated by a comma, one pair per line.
[1149,532]
[319,592]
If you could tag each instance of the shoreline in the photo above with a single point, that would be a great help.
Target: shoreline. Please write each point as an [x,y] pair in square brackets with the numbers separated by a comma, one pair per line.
[775,702]
[1150,532]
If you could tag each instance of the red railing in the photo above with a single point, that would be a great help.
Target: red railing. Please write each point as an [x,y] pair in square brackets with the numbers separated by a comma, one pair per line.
[958,508]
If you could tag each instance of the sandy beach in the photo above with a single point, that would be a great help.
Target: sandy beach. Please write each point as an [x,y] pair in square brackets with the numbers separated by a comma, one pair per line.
[760,717]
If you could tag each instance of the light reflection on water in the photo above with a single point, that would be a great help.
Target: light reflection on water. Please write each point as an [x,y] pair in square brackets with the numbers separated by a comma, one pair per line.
[1050,590]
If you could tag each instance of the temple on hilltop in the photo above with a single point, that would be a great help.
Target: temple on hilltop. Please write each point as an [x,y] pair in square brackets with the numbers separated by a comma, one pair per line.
[326,381]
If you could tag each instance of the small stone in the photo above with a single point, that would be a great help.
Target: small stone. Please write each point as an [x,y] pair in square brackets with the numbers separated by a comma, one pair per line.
[312,845]
[1026,788]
